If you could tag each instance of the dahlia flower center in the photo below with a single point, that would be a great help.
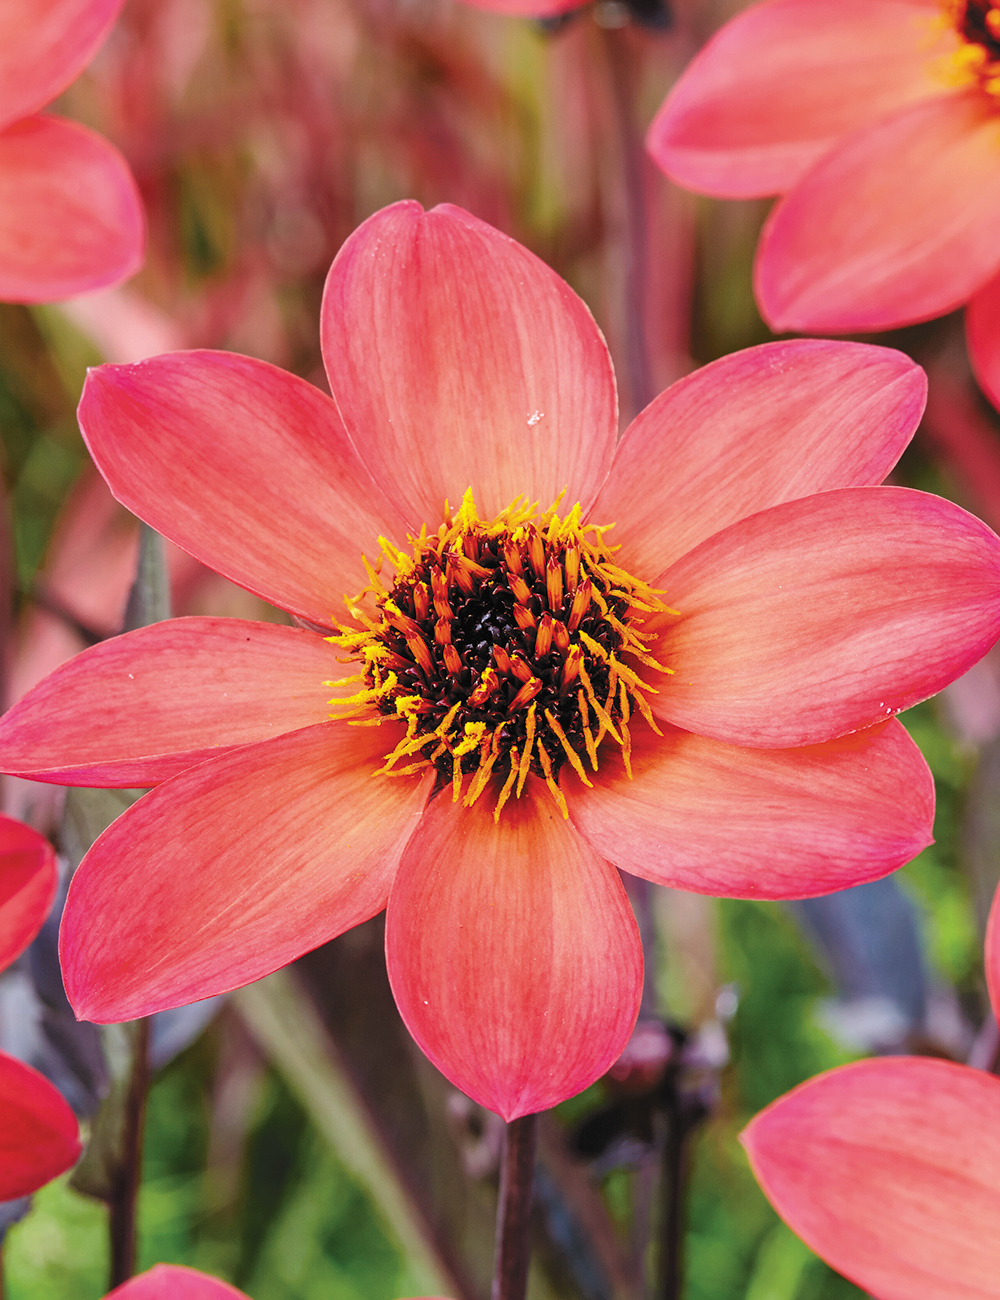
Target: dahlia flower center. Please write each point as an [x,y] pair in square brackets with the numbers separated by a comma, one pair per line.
[505,647]
[978,58]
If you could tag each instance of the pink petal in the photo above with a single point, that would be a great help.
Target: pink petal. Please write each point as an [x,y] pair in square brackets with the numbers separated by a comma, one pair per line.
[233,869]
[825,615]
[993,954]
[896,225]
[460,360]
[166,697]
[751,430]
[39,1137]
[526,8]
[280,502]
[44,45]
[889,1170]
[753,823]
[28,880]
[982,335]
[173,1282]
[512,952]
[783,81]
[70,215]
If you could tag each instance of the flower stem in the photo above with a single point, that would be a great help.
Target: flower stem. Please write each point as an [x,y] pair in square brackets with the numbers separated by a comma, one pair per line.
[634,234]
[149,602]
[125,1188]
[513,1241]
[672,1186]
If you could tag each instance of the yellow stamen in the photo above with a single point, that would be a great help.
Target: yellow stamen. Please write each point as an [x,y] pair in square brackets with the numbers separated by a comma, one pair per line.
[529,736]
[511,777]
[571,753]
[557,794]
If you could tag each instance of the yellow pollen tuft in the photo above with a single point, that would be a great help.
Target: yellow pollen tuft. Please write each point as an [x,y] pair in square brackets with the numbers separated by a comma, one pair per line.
[976,59]
[500,648]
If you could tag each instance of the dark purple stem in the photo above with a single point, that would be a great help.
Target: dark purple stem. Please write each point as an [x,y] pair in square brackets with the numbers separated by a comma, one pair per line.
[122,1204]
[513,1242]
[639,376]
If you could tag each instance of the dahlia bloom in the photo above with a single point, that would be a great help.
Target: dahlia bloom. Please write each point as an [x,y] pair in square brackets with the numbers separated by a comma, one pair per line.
[889,1169]
[879,122]
[38,1131]
[70,214]
[494,698]
[174,1282]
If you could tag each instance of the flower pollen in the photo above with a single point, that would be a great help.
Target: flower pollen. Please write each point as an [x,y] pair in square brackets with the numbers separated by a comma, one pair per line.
[977,59]
[506,646]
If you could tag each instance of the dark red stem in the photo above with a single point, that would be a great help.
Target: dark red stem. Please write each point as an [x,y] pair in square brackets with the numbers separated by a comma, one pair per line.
[128,1175]
[513,1242]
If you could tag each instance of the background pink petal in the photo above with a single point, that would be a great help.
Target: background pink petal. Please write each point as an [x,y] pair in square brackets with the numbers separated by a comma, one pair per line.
[233,869]
[39,1136]
[70,215]
[28,880]
[982,335]
[173,1282]
[526,8]
[44,45]
[889,1170]
[512,952]
[781,82]
[752,823]
[289,521]
[458,360]
[821,616]
[895,225]
[751,430]
[142,707]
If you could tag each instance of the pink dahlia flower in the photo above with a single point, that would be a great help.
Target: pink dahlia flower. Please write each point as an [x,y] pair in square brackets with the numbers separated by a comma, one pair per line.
[879,122]
[890,1169]
[70,214]
[174,1282]
[496,698]
[38,1131]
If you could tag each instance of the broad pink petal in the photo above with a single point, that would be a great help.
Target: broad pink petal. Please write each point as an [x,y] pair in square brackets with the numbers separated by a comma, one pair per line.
[70,215]
[39,1137]
[889,1170]
[751,430]
[460,360]
[760,823]
[28,880]
[142,707]
[233,869]
[825,615]
[982,335]
[44,45]
[512,952]
[173,1282]
[246,467]
[526,8]
[993,954]
[784,80]
[895,225]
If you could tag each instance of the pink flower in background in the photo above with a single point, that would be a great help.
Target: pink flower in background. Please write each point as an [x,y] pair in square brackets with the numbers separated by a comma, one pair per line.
[39,1137]
[174,1282]
[488,708]
[890,1169]
[28,881]
[70,214]
[879,121]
